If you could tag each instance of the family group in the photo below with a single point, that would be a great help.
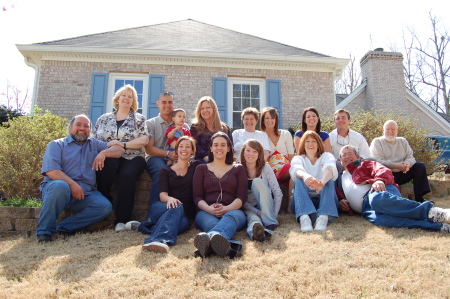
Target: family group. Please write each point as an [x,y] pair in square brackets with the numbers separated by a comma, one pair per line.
[223,181]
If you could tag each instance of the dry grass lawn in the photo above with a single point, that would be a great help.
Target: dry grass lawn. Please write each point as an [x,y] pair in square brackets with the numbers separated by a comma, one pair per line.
[353,259]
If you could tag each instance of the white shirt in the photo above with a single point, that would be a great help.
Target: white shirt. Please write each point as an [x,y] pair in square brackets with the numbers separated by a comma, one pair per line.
[353,192]
[241,136]
[354,139]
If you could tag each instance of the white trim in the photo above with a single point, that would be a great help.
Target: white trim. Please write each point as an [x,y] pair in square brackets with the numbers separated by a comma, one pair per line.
[37,53]
[252,81]
[351,96]
[419,103]
[127,76]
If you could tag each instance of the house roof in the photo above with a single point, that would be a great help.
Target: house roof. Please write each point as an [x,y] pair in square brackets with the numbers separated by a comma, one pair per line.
[186,35]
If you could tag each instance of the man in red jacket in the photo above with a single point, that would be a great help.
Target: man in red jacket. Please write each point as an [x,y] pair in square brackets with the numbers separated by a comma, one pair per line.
[369,189]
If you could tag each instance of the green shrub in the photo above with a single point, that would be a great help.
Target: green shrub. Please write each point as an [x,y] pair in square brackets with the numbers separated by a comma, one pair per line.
[29,202]
[24,140]
[370,124]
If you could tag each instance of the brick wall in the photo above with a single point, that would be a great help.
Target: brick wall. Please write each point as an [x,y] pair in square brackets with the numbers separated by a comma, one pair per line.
[64,87]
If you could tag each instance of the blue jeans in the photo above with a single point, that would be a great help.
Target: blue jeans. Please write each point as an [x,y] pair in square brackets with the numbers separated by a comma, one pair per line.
[56,197]
[265,204]
[154,165]
[326,204]
[389,209]
[227,226]
[168,223]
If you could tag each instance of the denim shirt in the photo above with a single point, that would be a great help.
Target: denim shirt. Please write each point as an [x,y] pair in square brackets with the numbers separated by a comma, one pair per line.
[74,159]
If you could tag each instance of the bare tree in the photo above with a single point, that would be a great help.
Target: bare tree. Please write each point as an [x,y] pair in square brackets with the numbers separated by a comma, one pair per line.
[15,98]
[351,77]
[427,65]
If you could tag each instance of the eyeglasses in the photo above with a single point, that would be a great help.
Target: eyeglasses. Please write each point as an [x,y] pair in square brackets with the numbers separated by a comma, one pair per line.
[168,93]
[345,139]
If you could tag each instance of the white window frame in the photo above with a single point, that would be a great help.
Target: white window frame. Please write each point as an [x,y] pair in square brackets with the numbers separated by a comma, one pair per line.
[252,81]
[127,76]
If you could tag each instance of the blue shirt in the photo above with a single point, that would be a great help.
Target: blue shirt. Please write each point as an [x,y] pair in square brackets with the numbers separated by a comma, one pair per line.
[74,159]
[323,135]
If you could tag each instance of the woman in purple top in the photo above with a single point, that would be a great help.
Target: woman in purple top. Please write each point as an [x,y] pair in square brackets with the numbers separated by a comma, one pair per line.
[311,122]
[206,123]
[220,190]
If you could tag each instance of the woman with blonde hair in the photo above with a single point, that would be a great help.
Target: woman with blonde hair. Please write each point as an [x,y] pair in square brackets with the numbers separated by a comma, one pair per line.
[126,128]
[205,124]
[263,192]
[313,171]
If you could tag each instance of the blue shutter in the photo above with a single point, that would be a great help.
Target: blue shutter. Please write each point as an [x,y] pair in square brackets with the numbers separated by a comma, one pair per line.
[273,89]
[98,96]
[219,94]
[156,87]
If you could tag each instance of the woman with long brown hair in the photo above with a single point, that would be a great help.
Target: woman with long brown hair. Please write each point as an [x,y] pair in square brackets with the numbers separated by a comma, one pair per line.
[263,195]
[311,122]
[205,124]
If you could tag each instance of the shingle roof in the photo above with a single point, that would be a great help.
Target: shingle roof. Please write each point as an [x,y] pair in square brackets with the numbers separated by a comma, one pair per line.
[188,35]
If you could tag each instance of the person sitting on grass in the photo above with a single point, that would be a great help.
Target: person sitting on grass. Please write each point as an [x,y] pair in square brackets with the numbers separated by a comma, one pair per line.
[369,189]
[69,167]
[264,195]
[173,213]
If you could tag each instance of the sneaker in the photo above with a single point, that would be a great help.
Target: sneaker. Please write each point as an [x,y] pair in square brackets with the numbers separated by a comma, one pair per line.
[220,245]
[439,214]
[132,225]
[305,224]
[119,227]
[258,232]
[445,228]
[156,247]
[44,238]
[203,243]
[321,223]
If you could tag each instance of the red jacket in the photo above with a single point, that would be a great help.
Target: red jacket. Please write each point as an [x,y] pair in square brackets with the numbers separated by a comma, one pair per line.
[370,172]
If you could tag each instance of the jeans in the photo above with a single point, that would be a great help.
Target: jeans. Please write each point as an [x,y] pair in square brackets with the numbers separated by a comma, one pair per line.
[154,165]
[227,226]
[56,197]
[265,204]
[418,174]
[326,204]
[127,173]
[168,223]
[388,208]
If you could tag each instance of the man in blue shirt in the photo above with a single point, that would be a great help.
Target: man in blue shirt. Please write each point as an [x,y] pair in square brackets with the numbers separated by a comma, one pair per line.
[69,167]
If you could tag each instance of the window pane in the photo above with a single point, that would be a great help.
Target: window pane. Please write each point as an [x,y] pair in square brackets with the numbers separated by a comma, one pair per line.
[237,90]
[246,103]
[246,91]
[255,103]
[237,104]
[255,91]
[119,84]
[237,123]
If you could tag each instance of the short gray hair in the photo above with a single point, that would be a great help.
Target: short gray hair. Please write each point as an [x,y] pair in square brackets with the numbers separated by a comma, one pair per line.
[350,147]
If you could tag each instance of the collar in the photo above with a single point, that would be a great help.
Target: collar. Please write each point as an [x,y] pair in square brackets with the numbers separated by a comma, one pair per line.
[69,139]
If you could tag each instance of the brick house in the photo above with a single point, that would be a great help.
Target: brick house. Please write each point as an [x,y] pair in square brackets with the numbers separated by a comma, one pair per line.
[383,88]
[190,59]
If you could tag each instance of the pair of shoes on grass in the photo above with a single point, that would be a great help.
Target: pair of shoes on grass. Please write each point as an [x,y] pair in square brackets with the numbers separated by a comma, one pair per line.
[130,225]
[306,225]
[439,214]
[218,244]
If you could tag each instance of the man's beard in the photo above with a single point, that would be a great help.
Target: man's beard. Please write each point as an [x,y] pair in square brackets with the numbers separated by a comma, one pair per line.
[79,138]
[390,138]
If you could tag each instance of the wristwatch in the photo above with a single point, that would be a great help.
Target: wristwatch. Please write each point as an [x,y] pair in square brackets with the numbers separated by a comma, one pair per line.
[167,154]
[124,145]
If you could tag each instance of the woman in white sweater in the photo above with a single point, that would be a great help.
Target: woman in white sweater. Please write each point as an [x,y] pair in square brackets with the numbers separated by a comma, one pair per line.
[313,171]
[263,195]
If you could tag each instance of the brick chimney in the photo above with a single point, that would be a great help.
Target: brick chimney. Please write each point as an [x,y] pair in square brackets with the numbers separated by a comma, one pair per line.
[385,80]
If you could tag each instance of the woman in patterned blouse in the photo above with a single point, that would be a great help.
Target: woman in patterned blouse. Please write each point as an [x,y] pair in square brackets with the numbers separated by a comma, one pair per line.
[124,127]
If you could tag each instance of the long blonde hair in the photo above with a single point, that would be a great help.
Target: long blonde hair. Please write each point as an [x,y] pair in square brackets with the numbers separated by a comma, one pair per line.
[200,122]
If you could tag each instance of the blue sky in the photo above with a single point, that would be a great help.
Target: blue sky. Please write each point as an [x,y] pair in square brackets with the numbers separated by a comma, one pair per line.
[334,28]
